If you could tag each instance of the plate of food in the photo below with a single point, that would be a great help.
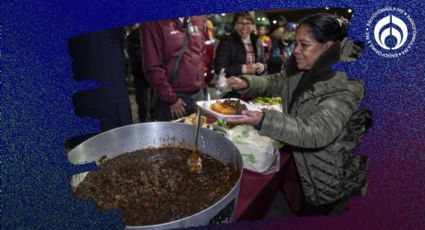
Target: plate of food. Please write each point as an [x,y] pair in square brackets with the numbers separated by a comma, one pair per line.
[226,108]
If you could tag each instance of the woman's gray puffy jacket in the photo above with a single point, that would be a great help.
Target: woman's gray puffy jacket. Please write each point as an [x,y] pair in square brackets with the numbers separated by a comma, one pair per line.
[323,125]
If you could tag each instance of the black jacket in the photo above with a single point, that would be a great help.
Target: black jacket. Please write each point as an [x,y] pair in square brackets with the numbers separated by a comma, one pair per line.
[231,54]
[98,56]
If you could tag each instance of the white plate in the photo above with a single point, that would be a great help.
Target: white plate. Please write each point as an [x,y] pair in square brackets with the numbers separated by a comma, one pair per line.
[206,106]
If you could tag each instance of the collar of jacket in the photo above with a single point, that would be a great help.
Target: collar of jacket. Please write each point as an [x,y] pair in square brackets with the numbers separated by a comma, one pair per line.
[339,51]
[320,79]
[253,38]
[323,65]
[180,23]
[238,38]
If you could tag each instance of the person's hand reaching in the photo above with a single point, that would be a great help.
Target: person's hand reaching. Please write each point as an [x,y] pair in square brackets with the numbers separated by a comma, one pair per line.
[249,68]
[236,83]
[259,68]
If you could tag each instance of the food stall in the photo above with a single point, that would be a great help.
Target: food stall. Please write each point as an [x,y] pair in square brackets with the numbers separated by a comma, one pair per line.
[248,196]
[259,185]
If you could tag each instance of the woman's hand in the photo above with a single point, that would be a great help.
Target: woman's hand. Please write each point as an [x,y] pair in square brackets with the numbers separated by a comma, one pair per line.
[177,109]
[250,68]
[259,68]
[251,118]
[236,83]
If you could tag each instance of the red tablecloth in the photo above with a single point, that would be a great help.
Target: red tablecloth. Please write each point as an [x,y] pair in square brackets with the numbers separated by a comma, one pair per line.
[258,191]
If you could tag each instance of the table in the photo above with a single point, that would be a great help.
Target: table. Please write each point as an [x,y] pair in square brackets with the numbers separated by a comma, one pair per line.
[258,191]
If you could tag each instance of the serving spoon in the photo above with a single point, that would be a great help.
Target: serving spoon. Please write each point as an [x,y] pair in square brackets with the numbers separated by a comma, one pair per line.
[194,161]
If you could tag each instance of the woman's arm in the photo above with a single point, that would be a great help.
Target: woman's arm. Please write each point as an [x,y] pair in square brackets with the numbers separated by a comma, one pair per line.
[267,86]
[315,130]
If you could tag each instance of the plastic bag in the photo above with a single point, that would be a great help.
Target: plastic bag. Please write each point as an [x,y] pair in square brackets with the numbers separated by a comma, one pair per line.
[260,154]
[222,88]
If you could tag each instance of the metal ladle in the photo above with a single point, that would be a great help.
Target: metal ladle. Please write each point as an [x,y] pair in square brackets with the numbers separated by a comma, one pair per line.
[194,161]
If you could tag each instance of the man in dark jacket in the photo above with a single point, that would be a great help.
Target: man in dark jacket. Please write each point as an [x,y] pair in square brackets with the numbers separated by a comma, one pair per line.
[178,81]
[99,56]
[142,88]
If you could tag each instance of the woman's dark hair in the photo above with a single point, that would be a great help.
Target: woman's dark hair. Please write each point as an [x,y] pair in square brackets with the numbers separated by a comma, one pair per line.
[325,27]
[246,15]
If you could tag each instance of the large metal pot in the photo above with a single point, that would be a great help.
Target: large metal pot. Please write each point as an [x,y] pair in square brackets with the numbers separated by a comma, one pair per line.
[144,135]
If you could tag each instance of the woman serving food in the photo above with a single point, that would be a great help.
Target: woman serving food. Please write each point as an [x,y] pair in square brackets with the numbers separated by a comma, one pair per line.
[321,120]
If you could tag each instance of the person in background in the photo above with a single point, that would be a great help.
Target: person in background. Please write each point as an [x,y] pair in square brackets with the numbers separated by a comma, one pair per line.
[99,56]
[282,49]
[277,30]
[242,52]
[143,90]
[288,42]
[173,53]
[262,31]
[210,51]
[321,122]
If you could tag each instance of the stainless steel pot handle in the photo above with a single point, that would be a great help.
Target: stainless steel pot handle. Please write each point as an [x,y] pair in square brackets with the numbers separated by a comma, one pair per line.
[181,120]
[219,129]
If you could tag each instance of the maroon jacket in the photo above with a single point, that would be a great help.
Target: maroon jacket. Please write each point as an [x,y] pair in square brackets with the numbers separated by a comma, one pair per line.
[161,43]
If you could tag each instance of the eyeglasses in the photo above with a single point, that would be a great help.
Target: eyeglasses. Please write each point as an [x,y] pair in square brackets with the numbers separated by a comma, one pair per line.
[244,24]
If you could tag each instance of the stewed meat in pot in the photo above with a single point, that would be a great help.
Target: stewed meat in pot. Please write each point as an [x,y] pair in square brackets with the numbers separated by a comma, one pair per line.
[154,185]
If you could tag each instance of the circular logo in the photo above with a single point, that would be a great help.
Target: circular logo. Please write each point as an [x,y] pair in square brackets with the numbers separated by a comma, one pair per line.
[390,32]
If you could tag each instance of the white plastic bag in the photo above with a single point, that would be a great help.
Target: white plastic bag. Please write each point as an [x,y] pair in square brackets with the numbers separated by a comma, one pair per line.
[222,88]
[260,154]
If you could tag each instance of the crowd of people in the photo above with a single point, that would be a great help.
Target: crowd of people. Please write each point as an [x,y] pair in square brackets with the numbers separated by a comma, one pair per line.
[181,58]
[321,120]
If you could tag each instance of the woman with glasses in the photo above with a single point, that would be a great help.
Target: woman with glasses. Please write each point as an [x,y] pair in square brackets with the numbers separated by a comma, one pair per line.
[242,52]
